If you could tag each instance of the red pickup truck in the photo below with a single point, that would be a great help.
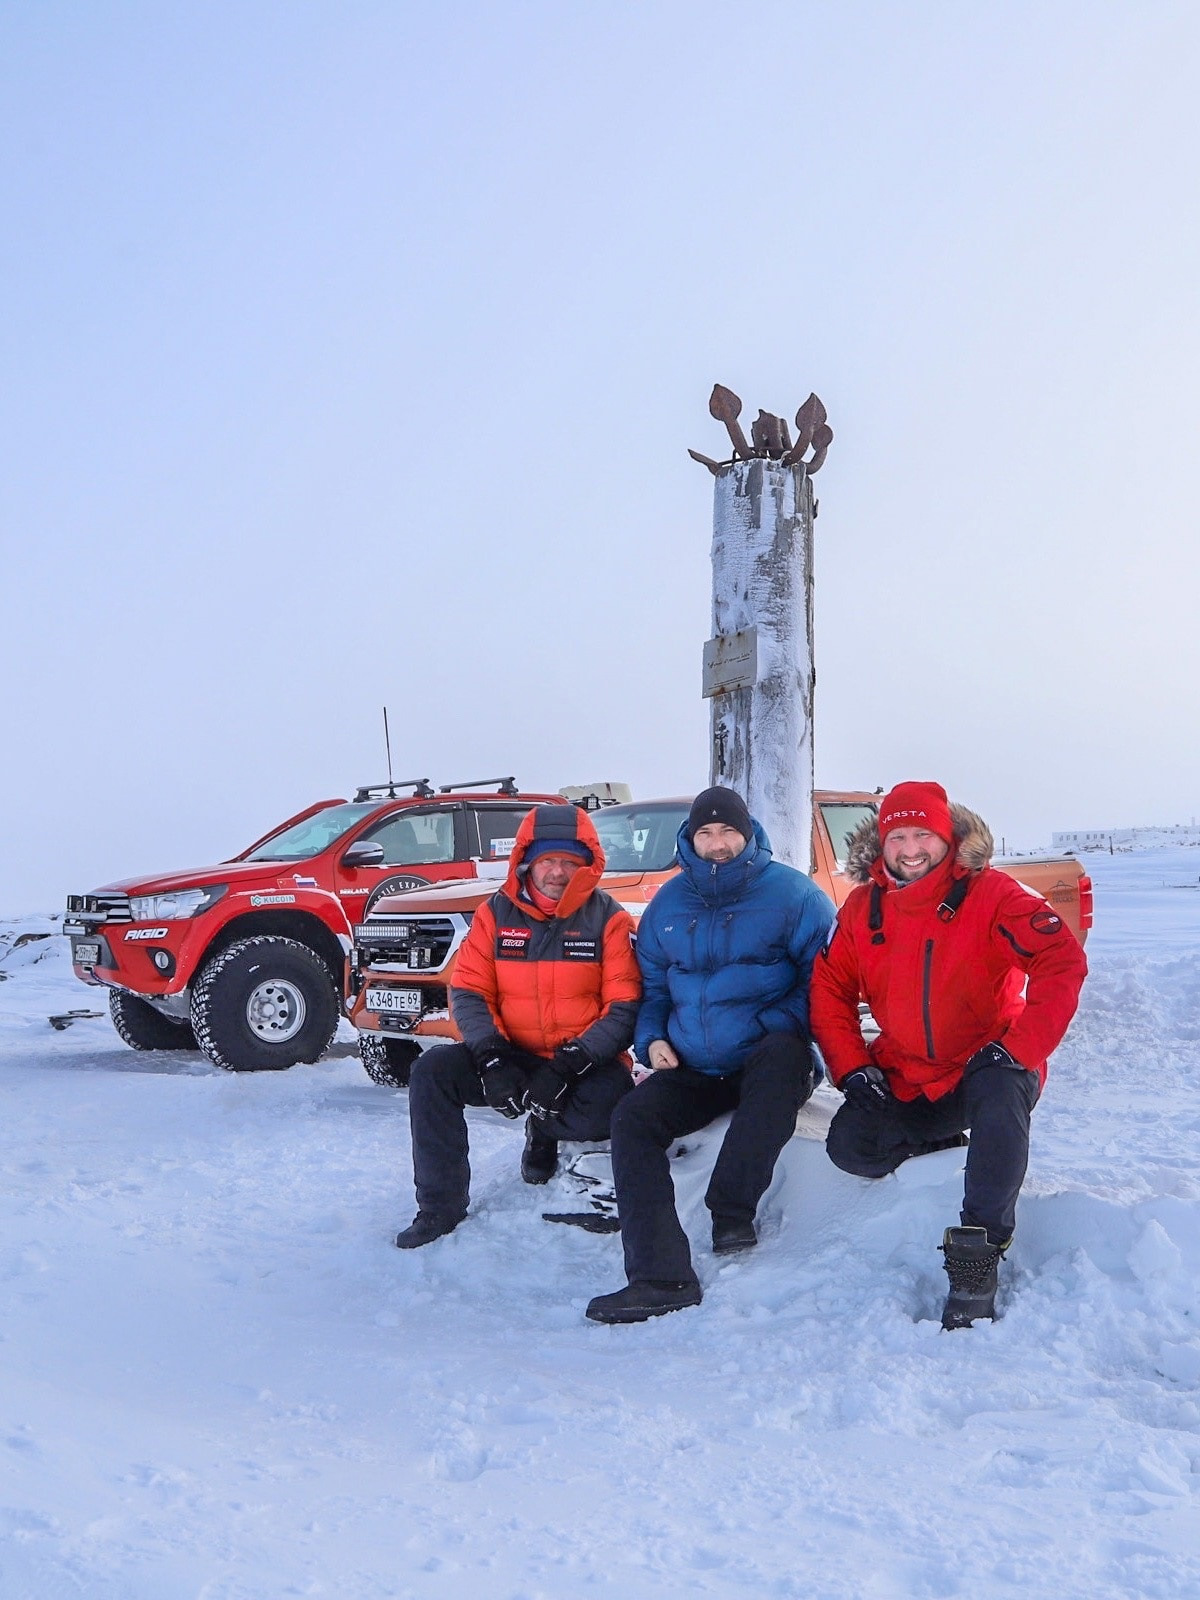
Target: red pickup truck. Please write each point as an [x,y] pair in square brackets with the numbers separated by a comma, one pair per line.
[245,959]
[403,956]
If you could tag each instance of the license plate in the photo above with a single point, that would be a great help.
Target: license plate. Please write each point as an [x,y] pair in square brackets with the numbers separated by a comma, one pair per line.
[394,999]
[86,952]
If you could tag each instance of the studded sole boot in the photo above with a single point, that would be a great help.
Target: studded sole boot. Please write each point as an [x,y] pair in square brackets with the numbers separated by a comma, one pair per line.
[971,1265]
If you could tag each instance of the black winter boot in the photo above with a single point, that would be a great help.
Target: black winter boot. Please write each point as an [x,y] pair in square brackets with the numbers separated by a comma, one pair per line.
[539,1159]
[424,1228]
[729,1236]
[971,1265]
[637,1302]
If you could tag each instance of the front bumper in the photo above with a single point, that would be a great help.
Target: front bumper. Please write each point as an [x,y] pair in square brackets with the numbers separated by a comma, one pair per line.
[151,959]
[431,1015]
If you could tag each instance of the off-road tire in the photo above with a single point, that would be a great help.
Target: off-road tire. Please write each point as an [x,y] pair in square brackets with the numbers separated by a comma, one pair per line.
[144,1028]
[387,1060]
[233,985]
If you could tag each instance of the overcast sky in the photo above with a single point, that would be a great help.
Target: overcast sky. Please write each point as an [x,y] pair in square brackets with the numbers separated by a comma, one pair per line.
[351,353]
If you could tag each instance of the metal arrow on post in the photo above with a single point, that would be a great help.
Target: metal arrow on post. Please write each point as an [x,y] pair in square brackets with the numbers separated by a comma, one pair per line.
[725,406]
[770,438]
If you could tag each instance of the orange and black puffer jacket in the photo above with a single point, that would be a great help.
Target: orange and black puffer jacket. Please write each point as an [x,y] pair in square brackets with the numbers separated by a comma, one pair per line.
[539,979]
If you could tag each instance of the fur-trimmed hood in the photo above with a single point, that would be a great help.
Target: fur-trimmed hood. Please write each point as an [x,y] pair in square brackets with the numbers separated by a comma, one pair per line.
[971,834]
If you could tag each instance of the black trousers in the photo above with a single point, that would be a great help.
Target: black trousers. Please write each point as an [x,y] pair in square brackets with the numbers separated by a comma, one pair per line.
[445,1079]
[995,1103]
[764,1098]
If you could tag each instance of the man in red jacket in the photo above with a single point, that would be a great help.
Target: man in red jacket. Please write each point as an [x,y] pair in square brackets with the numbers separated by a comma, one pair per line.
[972,981]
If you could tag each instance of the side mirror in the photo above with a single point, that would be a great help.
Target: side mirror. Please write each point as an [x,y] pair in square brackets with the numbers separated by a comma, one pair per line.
[363,853]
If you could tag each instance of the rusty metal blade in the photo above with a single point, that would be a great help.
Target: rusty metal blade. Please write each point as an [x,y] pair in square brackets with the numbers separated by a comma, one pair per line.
[810,415]
[811,430]
[826,436]
[726,407]
[706,461]
[769,436]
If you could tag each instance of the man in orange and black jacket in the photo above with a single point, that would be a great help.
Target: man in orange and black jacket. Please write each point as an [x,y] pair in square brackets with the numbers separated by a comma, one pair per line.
[545,996]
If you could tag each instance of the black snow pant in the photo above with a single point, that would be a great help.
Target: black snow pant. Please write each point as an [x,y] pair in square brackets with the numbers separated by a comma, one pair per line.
[445,1079]
[764,1097]
[995,1103]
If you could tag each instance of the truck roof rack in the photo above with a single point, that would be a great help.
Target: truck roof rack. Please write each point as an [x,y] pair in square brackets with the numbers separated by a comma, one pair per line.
[506,786]
[421,787]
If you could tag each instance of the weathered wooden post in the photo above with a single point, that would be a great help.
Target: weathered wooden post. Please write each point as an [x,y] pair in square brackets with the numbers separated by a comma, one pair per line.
[758,665]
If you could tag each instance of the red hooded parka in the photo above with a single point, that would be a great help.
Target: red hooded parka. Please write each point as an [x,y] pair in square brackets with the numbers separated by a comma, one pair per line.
[943,980]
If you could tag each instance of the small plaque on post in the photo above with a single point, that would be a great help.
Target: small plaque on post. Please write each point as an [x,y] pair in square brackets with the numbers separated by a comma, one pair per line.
[731,662]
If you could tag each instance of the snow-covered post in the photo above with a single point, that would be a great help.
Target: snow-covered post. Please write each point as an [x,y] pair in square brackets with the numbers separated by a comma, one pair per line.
[758,666]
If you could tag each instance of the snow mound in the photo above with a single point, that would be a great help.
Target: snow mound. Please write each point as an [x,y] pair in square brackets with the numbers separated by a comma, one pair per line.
[222,1381]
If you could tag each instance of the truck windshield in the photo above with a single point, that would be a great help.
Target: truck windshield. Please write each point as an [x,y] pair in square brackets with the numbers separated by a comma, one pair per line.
[314,834]
[639,838]
[842,817]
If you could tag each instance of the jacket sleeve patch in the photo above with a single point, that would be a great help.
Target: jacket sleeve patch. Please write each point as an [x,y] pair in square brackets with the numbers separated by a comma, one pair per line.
[1045,922]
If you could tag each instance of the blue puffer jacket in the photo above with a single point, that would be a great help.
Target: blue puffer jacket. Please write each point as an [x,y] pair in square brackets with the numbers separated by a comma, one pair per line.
[726,952]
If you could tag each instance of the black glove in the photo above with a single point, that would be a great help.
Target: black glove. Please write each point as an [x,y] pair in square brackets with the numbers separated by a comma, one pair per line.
[866,1089]
[547,1089]
[502,1079]
[993,1055]
[573,1059]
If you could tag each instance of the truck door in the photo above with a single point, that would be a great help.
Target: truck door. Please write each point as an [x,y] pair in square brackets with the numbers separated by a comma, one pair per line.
[421,845]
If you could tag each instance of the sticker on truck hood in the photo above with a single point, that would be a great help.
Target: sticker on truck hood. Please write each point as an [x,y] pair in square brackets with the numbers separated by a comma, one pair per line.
[272,899]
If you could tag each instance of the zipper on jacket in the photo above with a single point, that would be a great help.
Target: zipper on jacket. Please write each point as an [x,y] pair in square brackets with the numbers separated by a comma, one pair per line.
[925,1011]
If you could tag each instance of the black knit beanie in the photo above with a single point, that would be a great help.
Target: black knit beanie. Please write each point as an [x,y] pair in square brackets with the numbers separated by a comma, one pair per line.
[719,805]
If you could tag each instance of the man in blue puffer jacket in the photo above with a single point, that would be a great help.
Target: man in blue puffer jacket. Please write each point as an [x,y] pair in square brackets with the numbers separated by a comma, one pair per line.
[726,951]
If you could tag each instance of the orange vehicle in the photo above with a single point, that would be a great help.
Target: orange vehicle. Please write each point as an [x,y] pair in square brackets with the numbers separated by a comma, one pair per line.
[402,959]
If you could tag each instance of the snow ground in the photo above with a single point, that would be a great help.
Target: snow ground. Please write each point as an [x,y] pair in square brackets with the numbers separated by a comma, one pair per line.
[219,1380]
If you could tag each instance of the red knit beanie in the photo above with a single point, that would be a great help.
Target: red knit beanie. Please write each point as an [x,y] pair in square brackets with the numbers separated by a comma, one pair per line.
[916,805]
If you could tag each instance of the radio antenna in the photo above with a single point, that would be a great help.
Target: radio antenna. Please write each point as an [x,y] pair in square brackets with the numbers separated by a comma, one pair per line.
[387,742]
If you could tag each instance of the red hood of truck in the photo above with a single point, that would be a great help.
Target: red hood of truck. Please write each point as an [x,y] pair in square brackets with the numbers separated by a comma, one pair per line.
[237,874]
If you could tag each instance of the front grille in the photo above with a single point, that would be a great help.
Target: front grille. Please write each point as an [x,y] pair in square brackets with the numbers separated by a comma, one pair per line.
[418,944]
[100,907]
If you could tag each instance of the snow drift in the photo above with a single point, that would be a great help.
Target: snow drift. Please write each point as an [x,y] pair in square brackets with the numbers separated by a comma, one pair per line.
[222,1381]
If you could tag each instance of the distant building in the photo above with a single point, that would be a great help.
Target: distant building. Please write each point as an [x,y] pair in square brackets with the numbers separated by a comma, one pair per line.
[1187,833]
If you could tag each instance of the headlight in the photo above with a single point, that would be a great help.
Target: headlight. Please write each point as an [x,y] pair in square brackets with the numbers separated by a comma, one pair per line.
[171,907]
